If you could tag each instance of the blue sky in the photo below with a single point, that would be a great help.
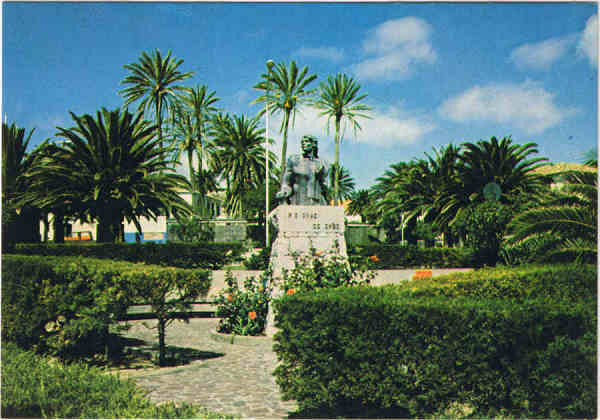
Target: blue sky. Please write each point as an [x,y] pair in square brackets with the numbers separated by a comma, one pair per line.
[435,73]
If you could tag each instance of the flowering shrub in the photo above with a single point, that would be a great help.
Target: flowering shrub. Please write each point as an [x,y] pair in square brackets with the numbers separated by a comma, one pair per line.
[243,311]
[316,271]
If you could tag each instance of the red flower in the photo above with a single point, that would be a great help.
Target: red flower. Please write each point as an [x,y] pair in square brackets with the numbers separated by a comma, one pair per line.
[374,258]
[229,298]
[252,315]
[290,292]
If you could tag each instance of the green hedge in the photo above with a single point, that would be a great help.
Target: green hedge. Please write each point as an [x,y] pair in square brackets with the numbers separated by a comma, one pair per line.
[401,352]
[34,387]
[184,255]
[396,256]
[65,305]
[548,283]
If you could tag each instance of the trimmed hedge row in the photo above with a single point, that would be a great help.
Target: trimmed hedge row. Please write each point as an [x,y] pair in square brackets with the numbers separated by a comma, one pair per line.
[33,387]
[397,256]
[65,305]
[547,283]
[401,352]
[184,255]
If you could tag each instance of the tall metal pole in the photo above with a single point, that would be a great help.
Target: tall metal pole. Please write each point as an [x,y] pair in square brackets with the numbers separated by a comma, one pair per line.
[270,65]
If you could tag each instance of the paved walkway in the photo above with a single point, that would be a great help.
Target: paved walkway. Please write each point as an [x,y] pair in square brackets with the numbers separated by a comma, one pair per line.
[233,378]
[236,379]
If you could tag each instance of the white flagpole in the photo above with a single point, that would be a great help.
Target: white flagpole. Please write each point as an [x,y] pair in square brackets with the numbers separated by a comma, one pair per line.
[270,64]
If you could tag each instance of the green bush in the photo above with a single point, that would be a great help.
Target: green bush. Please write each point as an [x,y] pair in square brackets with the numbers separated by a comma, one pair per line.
[33,386]
[65,305]
[547,283]
[410,256]
[192,229]
[399,352]
[483,226]
[316,271]
[259,261]
[183,255]
[243,311]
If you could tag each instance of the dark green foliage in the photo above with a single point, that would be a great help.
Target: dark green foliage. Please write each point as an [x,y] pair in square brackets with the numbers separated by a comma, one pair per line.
[483,225]
[192,229]
[256,232]
[243,311]
[32,386]
[205,255]
[258,261]
[400,351]
[66,305]
[397,256]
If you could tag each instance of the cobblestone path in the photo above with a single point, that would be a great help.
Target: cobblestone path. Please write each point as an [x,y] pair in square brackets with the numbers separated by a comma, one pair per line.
[233,379]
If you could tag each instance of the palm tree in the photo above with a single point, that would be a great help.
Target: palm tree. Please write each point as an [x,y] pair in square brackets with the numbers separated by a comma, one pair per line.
[345,184]
[109,169]
[339,100]
[569,216]
[285,90]
[361,204]
[240,156]
[20,222]
[199,102]
[503,163]
[186,139]
[152,80]
[591,158]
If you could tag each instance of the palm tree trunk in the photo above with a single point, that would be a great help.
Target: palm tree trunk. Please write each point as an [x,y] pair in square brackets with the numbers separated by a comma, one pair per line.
[336,175]
[191,166]
[58,225]
[286,122]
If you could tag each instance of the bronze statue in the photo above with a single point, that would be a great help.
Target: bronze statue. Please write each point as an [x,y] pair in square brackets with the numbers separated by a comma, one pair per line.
[304,179]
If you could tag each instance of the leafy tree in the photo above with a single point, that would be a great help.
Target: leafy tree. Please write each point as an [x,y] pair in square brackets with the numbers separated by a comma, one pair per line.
[240,156]
[339,100]
[569,215]
[484,225]
[20,223]
[285,90]
[109,169]
[153,81]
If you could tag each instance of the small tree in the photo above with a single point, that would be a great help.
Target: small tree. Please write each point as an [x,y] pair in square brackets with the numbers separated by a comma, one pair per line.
[484,226]
[170,294]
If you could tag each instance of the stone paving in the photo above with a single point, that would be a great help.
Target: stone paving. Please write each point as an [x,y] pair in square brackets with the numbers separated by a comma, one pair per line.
[236,379]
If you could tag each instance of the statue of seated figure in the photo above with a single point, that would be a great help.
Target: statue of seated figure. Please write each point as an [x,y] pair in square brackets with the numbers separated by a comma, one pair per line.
[303,182]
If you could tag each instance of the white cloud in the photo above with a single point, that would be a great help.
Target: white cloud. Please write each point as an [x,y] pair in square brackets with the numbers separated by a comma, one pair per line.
[390,128]
[394,48]
[588,43]
[541,55]
[325,53]
[387,128]
[527,106]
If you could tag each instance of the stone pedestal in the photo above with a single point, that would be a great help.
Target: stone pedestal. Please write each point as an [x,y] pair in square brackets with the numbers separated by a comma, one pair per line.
[302,229]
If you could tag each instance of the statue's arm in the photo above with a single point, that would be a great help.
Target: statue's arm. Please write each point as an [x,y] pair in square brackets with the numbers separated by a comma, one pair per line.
[286,184]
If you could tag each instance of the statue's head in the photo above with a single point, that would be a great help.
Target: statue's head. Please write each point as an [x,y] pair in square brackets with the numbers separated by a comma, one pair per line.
[309,146]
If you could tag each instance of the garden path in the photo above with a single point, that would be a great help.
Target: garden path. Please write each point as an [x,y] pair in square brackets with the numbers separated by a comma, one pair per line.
[233,379]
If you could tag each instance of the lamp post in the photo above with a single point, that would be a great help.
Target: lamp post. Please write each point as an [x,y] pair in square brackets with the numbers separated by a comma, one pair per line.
[270,65]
